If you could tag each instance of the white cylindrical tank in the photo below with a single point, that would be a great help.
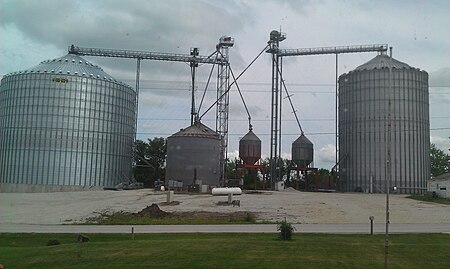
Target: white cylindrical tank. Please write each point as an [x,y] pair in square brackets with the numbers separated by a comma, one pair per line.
[226,191]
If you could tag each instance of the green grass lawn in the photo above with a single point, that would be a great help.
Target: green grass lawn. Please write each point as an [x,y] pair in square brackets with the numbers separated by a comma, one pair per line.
[224,251]
[430,199]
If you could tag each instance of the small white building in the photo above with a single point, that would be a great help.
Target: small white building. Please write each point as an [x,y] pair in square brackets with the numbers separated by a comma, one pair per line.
[440,185]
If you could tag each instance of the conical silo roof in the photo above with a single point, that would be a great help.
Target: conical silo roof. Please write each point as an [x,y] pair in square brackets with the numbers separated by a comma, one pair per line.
[382,61]
[250,148]
[302,139]
[198,129]
[250,136]
[71,64]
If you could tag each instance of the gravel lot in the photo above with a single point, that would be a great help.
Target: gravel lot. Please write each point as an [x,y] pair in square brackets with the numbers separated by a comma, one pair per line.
[297,207]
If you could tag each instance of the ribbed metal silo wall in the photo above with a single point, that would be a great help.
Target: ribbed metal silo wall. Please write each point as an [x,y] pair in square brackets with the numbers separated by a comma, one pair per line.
[64,132]
[363,130]
[188,156]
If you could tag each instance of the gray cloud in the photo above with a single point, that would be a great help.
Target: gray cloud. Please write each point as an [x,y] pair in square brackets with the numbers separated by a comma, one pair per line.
[165,26]
[440,77]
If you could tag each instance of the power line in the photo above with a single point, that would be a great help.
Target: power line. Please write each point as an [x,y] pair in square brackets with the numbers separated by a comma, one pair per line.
[313,133]
[257,91]
[260,120]
[257,83]
[232,134]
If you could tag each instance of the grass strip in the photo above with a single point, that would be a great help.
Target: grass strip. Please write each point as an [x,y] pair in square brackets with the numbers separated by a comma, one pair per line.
[430,199]
[224,251]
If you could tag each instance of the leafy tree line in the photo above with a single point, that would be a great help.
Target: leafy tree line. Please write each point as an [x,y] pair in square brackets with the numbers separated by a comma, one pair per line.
[285,172]
[150,165]
[150,160]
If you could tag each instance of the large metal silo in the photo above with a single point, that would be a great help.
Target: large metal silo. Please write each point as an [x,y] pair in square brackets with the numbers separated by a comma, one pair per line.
[193,154]
[65,125]
[364,97]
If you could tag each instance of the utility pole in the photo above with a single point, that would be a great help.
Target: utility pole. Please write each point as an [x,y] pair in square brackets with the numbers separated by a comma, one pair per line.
[388,162]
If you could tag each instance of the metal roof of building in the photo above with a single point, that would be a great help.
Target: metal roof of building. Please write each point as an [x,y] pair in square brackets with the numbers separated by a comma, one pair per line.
[198,129]
[382,61]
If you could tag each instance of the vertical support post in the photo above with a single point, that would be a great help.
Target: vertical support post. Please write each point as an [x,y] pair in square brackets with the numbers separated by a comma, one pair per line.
[371,224]
[274,42]
[243,175]
[138,72]
[337,118]
[316,177]
[193,64]
[222,107]
[306,180]
[388,163]
[132,232]
[264,177]
[280,106]
[274,122]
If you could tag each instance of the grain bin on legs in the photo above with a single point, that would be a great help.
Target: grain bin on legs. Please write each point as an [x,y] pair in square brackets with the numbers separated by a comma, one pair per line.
[250,148]
[302,151]
[363,127]
[65,124]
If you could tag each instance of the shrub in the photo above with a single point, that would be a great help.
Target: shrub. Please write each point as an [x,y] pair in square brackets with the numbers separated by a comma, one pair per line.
[250,217]
[286,230]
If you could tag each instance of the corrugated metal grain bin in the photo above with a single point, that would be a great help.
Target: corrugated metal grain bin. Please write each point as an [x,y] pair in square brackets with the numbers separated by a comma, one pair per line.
[363,127]
[193,154]
[65,125]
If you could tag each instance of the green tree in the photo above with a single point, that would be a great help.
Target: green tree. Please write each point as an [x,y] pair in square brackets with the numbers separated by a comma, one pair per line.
[322,172]
[233,169]
[439,161]
[150,160]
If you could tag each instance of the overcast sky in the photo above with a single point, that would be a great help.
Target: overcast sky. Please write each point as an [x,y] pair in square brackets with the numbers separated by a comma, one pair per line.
[418,31]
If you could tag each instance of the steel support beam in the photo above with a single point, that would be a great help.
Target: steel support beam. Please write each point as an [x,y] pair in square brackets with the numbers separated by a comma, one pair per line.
[333,50]
[274,42]
[143,55]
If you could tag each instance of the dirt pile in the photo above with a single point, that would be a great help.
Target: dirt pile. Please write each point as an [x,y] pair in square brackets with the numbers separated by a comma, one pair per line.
[290,189]
[152,211]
